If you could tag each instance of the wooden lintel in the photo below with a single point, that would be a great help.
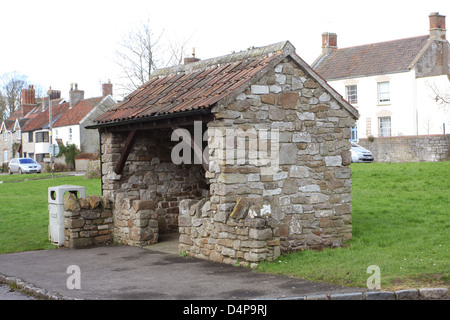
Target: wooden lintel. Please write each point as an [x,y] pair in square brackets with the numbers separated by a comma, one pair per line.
[162,124]
[126,151]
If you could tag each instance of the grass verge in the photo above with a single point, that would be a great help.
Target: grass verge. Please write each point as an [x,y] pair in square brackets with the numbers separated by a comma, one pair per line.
[24,215]
[401,223]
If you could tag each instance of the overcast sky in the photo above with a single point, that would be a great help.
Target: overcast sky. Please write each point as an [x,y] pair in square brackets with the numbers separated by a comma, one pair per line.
[58,42]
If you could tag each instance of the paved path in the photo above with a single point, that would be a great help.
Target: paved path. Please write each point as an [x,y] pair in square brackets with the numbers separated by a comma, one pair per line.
[7,294]
[122,272]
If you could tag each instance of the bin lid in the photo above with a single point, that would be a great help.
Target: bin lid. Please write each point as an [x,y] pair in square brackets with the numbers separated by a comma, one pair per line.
[66,186]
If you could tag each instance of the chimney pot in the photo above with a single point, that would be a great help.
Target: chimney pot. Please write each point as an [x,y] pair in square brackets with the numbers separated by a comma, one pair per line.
[107,89]
[437,25]
[191,59]
[28,100]
[329,42]
[75,96]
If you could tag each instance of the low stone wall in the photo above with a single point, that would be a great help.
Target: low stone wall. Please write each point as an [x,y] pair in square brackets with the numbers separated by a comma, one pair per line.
[430,148]
[249,235]
[136,224]
[87,221]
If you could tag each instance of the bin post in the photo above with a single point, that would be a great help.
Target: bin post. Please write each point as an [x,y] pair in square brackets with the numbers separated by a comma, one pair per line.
[56,210]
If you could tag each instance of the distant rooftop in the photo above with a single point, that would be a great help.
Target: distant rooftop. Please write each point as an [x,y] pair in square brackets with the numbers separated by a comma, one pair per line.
[371,59]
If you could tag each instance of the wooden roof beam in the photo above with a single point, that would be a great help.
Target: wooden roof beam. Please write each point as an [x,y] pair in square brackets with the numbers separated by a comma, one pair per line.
[131,138]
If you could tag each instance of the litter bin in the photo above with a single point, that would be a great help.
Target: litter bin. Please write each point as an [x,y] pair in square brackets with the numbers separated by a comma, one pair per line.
[56,210]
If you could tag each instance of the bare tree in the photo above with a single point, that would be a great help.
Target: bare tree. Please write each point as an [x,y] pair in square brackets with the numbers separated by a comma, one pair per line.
[440,95]
[137,56]
[3,110]
[141,52]
[12,85]
[176,51]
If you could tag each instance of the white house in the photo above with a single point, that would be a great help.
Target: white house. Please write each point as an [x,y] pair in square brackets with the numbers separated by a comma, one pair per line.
[70,126]
[27,131]
[395,85]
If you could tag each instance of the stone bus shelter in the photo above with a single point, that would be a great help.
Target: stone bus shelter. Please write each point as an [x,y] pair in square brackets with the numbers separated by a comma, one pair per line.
[246,156]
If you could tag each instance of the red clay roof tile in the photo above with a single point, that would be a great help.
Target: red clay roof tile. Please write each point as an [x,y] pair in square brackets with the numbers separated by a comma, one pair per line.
[184,91]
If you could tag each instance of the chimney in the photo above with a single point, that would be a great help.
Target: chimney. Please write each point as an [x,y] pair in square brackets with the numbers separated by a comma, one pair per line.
[191,59]
[107,89]
[28,100]
[75,95]
[437,25]
[55,94]
[329,42]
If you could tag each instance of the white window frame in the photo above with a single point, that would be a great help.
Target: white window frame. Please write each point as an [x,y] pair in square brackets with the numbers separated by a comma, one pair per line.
[70,134]
[384,130]
[351,93]
[5,156]
[384,92]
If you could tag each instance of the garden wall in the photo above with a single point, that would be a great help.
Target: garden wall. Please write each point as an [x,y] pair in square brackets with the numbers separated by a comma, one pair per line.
[87,221]
[429,148]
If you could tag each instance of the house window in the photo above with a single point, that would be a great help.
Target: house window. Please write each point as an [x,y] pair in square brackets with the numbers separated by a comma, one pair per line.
[56,133]
[354,133]
[42,136]
[352,94]
[40,157]
[384,126]
[70,134]
[5,156]
[383,92]
[5,135]
[30,136]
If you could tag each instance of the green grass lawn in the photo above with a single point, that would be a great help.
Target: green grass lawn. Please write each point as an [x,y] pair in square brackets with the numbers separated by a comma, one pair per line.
[401,223]
[24,215]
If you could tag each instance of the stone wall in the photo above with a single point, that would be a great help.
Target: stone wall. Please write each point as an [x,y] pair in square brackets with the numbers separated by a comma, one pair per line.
[248,209]
[311,190]
[149,175]
[430,148]
[245,239]
[87,221]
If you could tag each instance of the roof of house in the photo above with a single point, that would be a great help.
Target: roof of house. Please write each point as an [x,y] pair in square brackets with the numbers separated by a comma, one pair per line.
[40,119]
[7,125]
[77,113]
[200,85]
[371,59]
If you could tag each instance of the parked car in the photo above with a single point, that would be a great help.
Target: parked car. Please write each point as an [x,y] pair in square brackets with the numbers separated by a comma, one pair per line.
[23,165]
[360,154]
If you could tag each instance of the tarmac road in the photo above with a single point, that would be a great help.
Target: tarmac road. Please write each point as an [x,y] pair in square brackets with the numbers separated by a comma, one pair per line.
[130,273]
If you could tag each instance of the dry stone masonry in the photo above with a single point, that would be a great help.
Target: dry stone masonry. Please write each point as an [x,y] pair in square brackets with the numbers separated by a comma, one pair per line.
[87,222]
[290,188]
[247,236]
[430,148]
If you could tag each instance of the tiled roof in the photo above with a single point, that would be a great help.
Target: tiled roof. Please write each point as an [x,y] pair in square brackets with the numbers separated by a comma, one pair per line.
[8,124]
[372,59]
[77,113]
[40,119]
[194,86]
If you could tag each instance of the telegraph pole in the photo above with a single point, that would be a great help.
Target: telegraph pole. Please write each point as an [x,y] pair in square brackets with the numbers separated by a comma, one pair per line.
[51,129]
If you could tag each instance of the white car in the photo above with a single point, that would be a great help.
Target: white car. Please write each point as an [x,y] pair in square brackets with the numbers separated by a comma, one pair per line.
[360,154]
[23,165]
